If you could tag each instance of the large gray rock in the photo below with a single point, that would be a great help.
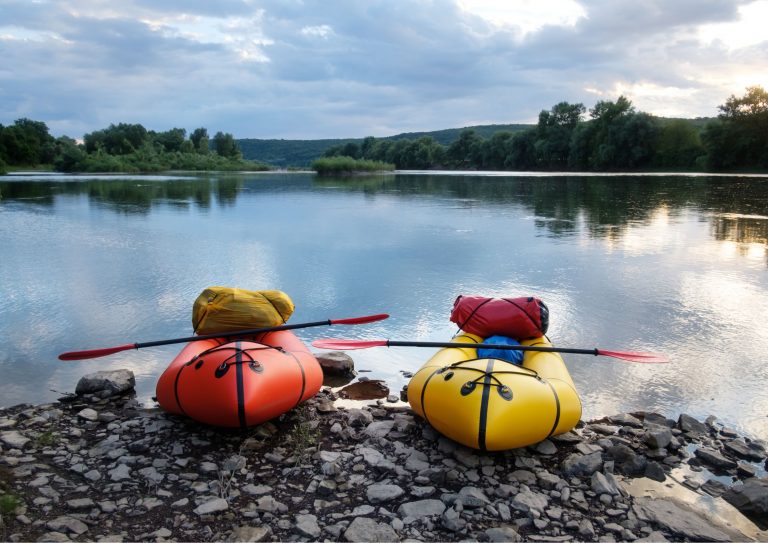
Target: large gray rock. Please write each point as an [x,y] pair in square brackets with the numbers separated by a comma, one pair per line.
[751,451]
[502,533]
[529,500]
[367,529]
[383,493]
[605,483]
[307,525]
[751,498]
[421,508]
[714,458]
[106,383]
[681,520]
[66,524]
[251,534]
[690,425]
[215,505]
[582,464]
[658,437]
[336,363]
[14,439]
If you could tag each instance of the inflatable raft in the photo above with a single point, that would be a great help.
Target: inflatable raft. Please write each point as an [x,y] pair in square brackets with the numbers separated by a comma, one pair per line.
[239,383]
[491,404]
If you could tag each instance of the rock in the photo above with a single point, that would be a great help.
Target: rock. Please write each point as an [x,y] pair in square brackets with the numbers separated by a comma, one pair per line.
[89,414]
[653,470]
[383,493]
[625,419]
[713,487]
[54,537]
[751,498]
[582,464]
[714,458]
[359,417]
[605,484]
[113,382]
[417,461]
[740,448]
[81,503]
[68,525]
[680,520]
[250,534]
[545,447]
[421,508]
[120,473]
[336,363]
[379,428]
[473,497]
[658,437]
[14,439]
[626,460]
[365,390]
[690,425]
[215,505]
[269,504]
[307,525]
[529,500]
[367,529]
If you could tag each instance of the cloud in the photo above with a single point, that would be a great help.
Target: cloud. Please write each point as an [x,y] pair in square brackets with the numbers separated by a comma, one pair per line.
[310,69]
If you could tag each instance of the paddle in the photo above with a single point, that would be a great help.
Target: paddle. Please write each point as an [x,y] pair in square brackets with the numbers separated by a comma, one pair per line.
[96,353]
[349,344]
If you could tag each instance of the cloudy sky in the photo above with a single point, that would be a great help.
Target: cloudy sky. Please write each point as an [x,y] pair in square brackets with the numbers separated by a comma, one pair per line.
[304,69]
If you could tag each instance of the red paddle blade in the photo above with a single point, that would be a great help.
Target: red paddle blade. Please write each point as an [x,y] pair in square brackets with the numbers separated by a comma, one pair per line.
[361,320]
[348,344]
[95,353]
[643,358]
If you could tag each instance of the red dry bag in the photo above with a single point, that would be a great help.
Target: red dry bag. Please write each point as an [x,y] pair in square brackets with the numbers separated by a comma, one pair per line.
[518,318]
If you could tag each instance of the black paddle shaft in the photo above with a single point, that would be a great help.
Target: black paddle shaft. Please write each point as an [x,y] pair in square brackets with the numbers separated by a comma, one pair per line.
[238,333]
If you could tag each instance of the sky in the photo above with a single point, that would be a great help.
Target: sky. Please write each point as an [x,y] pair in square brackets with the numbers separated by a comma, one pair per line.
[303,69]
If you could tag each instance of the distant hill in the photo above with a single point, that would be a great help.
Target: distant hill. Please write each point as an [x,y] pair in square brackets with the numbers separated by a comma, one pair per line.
[285,153]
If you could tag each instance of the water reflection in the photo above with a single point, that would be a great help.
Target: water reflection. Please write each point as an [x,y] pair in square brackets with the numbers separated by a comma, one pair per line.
[601,206]
[670,264]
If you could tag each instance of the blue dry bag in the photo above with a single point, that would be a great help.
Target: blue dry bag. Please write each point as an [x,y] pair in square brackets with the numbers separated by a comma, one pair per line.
[516,357]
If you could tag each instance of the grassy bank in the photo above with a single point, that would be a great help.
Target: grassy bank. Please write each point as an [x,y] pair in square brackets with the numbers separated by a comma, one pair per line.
[347,165]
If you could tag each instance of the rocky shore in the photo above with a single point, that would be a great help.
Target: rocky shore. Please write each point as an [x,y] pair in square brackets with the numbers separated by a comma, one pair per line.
[97,466]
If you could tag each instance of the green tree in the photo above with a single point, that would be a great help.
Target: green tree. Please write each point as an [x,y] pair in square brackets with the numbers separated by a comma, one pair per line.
[117,139]
[26,142]
[199,139]
[171,140]
[553,134]
[739,139]
[495,150]
[678,145]
[616,138]
[522,151]
[351,149]
[367,146]
[466,151]
[70,157]
[225,145]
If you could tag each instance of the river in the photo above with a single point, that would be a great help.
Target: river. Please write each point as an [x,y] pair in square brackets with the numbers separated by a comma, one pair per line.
[675,264]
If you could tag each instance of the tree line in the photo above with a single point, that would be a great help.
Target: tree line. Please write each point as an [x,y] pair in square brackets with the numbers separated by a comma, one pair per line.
[611,136]
[614,137]
[120,147]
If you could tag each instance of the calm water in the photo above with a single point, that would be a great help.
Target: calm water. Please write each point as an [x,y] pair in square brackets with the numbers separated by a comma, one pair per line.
[658,263]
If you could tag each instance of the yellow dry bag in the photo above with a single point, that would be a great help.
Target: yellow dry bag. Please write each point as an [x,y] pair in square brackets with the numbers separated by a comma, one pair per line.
[225,309]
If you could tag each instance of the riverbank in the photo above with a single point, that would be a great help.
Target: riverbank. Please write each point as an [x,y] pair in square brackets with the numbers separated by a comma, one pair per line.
[99,466]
